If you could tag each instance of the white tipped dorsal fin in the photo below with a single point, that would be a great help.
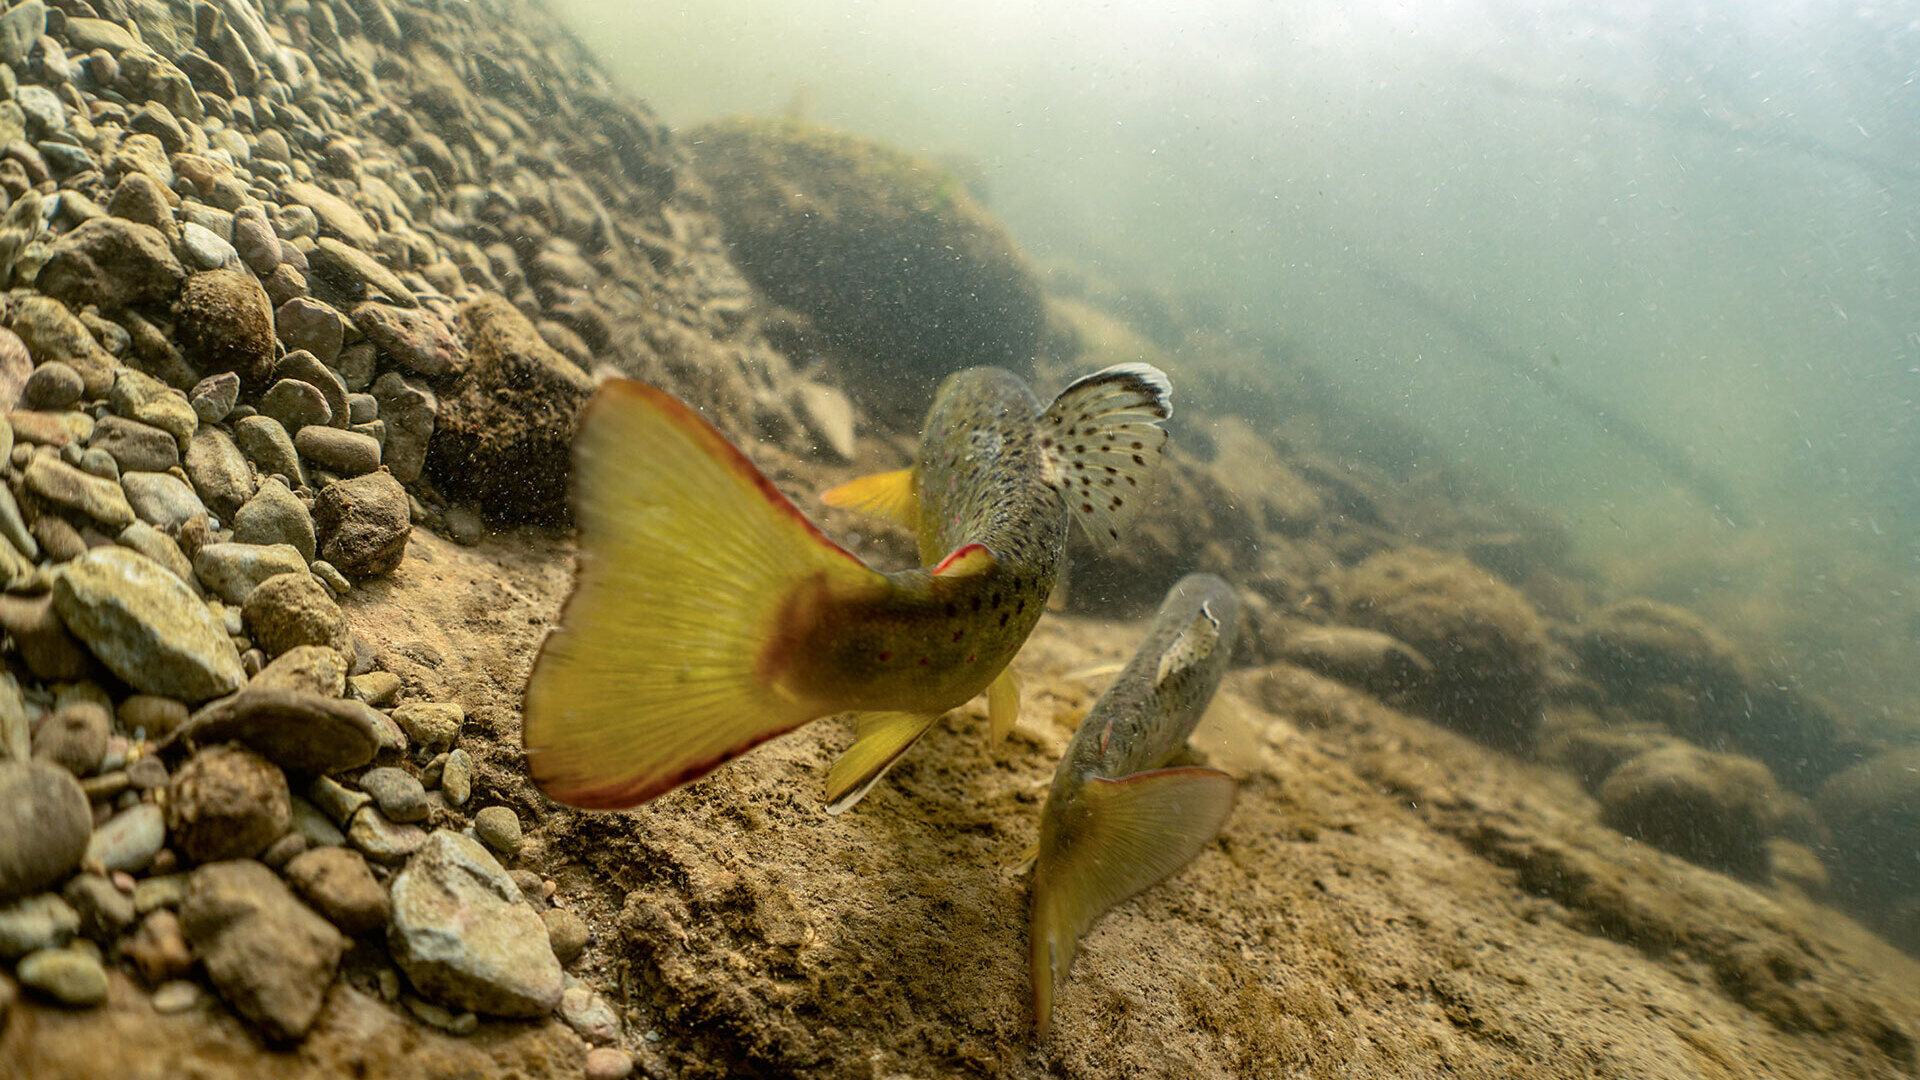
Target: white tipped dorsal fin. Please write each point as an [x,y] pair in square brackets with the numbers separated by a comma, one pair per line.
[1102,439]
[1196,641]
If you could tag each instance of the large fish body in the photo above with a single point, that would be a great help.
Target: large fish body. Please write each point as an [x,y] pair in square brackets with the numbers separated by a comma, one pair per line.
[708,614]
[1116,821]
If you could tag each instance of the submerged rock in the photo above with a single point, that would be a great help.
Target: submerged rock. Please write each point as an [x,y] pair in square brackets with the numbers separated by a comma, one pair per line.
[145,624]
[464,935]
[268,954]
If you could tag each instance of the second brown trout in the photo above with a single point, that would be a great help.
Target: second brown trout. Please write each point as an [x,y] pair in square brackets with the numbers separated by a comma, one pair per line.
[709,615]
[1115,821]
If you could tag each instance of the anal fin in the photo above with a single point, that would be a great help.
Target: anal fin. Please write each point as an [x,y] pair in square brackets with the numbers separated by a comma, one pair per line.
[890,496]
[1003,706]
[1130,833]
[880,738]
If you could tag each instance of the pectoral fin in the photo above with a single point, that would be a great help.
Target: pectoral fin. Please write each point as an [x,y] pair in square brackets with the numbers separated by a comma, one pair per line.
[1127,835]
[1003,706]
[891,496]
[880,738]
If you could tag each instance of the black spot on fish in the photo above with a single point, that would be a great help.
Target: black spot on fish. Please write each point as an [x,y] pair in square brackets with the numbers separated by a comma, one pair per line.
[1138,460]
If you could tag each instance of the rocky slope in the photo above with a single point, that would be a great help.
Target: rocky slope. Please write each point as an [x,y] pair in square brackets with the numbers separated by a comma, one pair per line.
[303,297]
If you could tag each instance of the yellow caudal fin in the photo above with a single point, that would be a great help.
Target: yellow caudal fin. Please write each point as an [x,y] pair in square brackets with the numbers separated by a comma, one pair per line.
[891,496]
[1129,834]
[665,661]
[1003,706]
[879,740]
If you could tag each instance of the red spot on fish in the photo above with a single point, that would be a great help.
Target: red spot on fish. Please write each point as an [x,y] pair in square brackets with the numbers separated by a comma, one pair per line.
[884,657]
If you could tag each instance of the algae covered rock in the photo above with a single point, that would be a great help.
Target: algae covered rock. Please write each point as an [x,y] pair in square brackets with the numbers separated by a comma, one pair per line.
[225,322]
[1486,644]
[897,266]
[1713,809]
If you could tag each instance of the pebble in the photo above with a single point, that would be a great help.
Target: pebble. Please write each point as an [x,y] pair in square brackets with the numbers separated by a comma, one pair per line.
[333,579]
[52,386]
[41,638]
[219,471]
[295,404]
[69,976]
[152,714]
[129,840]
[293,609]
[158,948]
[438,1016]
[226,803]
[270,956]
[49,429]
[383,841]
[59,482]
[608,1063]
[139,396]
[349,453]
[456,780]
[153,893]
[36,922]
[45,817]
[309,823]
[300,732]
[105,912]
[255,241]
[567,933]
[234,570]
[466,938]
[276,516]
[307,324]
[588,1014]
[499,828]
[147,773]
[175,995]
[411,337]
[135,446]
[284,850]
[375,687]
[303,367]
[313,669]
[213,397]
[409,410]
[353,272]
[141,198]
[336,800]
[269,447]
[397,793]
[52,332]
[146,625]
[160,499]
[204,249]
[74,737]
[430,725]
[339,885]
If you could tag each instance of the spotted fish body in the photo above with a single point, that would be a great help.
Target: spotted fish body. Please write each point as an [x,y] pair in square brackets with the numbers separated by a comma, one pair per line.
[1116,821]
[708,614]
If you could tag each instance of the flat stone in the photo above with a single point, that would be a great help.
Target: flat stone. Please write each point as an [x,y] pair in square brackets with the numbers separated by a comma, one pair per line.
[313,669]
[105,912]
[130,839]
[160,499]
[409,409]
[466,938]
[275,516]
[111,262]
[37,922]
[416,339]
[295,404]
[456,780]
[567,933]
[219,471]
[213,397]
[135,446]
[304,323]
[339,885]
[234,570]
[300,732]
[498,827]
[383,841]
[293,609]
[304,367]
[397,793]
[589,1015]
[204,249]
[98,498]
[430,725]
[49,650]
[348,453]
[270,956]
[68,976]
[146,625]
[352,271]
[337,216]
[158,546]
[269,447]
[52,332]
[139,396]
[49,429]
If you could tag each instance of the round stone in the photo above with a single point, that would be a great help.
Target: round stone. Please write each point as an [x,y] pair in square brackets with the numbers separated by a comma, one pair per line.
[498,828]
[227,803]
[69,976]
[52,386]
[45,817]
[607,1063]
[400,797]
[289,610]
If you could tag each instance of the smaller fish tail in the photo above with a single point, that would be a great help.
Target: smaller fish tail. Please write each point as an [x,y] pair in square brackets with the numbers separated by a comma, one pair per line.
[1122,837]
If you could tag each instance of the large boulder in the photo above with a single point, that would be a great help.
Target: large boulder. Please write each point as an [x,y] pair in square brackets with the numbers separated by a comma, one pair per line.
[896,265]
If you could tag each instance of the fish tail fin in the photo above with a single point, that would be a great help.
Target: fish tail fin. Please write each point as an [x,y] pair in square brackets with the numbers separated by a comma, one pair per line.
[693,570]
[1130,833]
[1003,706]
[889,496]
[1102,439]
[880,738]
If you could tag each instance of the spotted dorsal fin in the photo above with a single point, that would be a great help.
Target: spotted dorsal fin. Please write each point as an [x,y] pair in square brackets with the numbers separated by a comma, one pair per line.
[1102,438]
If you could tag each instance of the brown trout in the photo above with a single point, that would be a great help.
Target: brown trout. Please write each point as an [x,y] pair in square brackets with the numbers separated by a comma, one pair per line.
[709,615]
[1115,821]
